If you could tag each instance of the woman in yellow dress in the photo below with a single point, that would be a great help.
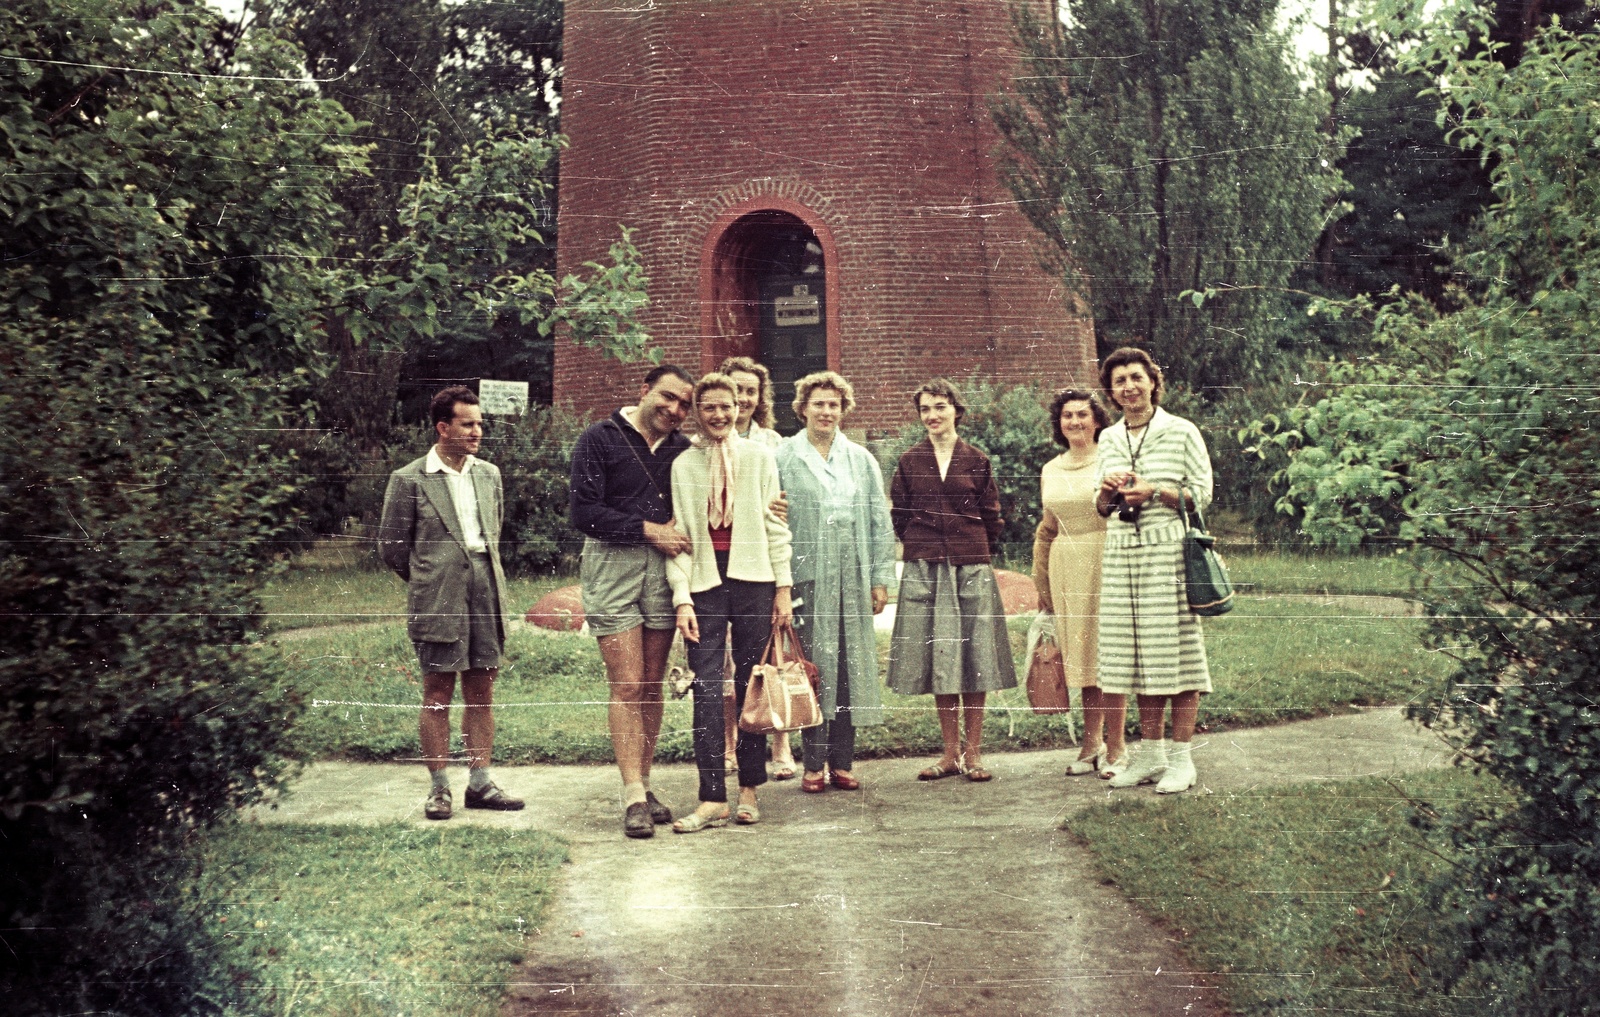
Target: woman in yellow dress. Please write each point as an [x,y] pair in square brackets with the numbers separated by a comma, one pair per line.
[1066,571]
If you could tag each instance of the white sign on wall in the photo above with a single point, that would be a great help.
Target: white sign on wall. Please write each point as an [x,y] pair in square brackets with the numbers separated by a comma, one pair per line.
[503,398]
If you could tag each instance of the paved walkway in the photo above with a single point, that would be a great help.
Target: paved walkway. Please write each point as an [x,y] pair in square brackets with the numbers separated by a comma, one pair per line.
[905,898]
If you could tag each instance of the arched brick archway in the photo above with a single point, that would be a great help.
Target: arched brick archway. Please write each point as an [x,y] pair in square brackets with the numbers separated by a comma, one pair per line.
[769,289]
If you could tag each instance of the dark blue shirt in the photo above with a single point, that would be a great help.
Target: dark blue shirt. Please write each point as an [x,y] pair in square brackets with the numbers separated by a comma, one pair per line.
[618,484]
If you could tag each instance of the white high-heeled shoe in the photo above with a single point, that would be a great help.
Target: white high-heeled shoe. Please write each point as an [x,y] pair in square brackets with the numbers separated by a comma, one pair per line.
[1081,767]
[1116,766]
[1147,762]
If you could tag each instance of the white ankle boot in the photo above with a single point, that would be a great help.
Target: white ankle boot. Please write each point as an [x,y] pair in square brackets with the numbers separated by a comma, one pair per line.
[1147,761]
[1180,775]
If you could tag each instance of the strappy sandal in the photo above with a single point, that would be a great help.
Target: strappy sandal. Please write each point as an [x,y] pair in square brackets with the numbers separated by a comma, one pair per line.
[694,822]
[938,771]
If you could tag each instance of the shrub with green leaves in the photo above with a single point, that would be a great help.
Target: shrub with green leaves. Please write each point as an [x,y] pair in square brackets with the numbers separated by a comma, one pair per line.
[156,299]
[1474,438]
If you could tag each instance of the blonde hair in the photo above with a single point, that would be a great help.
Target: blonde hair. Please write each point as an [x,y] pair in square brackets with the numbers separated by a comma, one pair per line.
[711,380]
[763,411]
[823,379]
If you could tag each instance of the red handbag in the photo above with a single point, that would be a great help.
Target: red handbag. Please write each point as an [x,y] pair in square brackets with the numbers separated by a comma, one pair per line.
[782,695]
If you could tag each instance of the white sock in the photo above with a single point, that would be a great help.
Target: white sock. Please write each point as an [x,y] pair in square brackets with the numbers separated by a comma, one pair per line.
[633,793]
[478,778]
[440,777]
[1179,756]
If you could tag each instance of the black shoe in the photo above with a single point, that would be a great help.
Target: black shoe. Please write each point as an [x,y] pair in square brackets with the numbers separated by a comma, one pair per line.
[659,814]
[438,804]
[492,797]
[636,822]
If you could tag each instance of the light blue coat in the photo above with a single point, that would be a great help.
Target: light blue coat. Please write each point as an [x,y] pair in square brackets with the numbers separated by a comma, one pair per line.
[829,536]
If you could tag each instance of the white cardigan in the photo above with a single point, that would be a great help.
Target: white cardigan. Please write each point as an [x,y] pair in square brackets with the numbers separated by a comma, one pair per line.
[760,550]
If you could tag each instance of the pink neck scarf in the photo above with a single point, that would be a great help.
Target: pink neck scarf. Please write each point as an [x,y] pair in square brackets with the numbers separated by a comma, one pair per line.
[719,507]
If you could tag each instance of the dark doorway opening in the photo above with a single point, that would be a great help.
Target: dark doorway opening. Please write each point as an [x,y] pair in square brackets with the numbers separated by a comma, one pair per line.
[768,277]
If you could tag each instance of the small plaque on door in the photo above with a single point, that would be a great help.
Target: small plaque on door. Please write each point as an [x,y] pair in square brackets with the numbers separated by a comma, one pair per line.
[803,308]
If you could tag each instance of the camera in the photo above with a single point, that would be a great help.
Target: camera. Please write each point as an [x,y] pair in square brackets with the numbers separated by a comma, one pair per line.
[1125,512]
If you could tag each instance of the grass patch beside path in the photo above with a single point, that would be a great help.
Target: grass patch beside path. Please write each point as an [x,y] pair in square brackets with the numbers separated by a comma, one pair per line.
[1306,899]
[1272,660]
[336,584]
[347,921]
[1257,572]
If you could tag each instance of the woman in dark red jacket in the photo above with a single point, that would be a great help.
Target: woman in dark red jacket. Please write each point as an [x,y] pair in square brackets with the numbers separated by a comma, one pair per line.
[950,628]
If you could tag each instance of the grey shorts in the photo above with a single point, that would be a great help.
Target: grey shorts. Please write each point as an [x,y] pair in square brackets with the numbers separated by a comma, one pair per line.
[484,641]
[624,586]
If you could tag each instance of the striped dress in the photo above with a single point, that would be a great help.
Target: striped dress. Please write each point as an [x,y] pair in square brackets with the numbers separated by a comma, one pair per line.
[1150,642]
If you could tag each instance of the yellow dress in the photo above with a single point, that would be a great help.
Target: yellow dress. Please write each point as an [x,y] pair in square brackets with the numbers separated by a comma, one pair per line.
[1067,546]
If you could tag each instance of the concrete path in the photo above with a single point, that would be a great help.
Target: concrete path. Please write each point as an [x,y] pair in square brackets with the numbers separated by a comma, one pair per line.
[904,898]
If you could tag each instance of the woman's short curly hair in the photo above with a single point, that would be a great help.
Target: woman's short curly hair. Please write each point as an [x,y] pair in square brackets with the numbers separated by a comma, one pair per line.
[713,380]
[763,410]
[940,388]
[823,379]
[1132,355]
[1102,416]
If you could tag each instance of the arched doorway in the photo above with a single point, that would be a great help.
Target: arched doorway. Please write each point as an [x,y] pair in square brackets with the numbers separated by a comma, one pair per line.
[768,290]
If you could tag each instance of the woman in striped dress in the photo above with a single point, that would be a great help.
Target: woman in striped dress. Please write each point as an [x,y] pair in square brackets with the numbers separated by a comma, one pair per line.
[1151,644]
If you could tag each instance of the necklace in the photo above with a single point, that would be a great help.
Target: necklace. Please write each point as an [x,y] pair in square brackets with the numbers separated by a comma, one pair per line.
[1133,453]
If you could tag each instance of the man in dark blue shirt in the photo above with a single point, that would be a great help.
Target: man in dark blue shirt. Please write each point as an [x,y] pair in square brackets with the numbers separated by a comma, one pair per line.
[621,502]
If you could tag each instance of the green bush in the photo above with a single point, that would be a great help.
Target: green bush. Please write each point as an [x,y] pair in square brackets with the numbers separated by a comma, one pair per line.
[156,303]
[1472,438]
[535,460]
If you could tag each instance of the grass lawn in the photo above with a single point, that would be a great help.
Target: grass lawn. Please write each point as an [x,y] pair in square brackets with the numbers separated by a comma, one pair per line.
[1305,899]
[345,921]
[1272,660]
[336,584]
[1256,572]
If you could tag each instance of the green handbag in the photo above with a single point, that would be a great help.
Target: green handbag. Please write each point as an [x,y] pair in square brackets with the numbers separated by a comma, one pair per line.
[1206,581]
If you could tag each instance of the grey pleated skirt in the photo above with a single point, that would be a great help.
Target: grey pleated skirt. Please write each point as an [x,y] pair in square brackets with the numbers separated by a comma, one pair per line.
[949,632]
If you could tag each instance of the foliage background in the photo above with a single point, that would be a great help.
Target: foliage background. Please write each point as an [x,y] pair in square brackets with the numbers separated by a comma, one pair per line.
[1471,438]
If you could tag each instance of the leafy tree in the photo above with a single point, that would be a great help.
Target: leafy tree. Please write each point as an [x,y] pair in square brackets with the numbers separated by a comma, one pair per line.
[433,82]
[163,220]
[1164,146]
[1473,440]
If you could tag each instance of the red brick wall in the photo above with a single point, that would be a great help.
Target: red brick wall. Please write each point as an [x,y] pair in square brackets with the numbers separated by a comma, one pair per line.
[869,118]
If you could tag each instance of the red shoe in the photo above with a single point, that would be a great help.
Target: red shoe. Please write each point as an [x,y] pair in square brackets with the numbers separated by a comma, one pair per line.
[843,781]
[813,785]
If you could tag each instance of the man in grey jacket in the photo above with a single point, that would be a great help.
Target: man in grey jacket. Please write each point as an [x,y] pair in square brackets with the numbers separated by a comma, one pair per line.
[441,534]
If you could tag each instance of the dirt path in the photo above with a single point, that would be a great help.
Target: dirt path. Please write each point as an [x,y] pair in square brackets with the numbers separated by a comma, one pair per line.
[905,898]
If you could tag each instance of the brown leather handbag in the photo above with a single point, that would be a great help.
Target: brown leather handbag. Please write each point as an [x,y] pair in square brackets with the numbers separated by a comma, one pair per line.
[1047,676]
[783,689]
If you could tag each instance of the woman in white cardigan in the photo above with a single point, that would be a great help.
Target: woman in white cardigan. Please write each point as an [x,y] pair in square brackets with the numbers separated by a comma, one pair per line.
[735,579]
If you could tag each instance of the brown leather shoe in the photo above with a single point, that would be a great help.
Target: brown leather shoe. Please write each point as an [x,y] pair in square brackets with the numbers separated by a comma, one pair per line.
[813,785]
[492,797]
[438,804]
[636,821]
[844,782]
[659,813]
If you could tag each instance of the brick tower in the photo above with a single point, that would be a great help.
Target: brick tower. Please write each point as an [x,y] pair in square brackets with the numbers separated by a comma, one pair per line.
[812,183]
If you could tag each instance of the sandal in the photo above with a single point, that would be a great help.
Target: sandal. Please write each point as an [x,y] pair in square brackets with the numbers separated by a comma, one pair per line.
[694,822]
[814,785]
[783,771]
[747,815]
[975,772]
[938,771]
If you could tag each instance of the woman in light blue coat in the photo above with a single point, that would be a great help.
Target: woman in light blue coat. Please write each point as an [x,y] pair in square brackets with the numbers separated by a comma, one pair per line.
[843,561]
